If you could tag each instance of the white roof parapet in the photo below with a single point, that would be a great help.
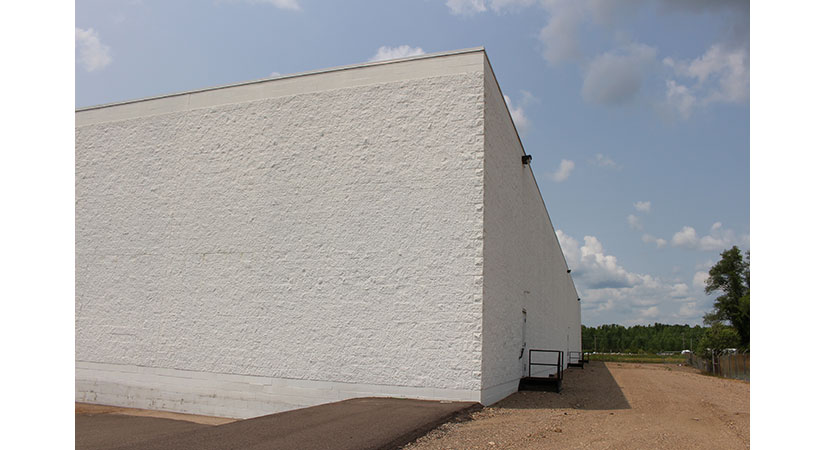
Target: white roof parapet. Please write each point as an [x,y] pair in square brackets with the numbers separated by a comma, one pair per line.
[294,75]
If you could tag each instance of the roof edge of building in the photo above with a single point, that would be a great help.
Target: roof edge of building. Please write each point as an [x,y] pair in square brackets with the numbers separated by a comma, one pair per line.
[293,75]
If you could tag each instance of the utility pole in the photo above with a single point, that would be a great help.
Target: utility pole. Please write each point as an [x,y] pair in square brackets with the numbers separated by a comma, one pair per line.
[594,343]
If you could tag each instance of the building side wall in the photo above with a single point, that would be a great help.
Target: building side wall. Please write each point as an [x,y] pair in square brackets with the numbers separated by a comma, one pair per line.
[524,268]
[311,241]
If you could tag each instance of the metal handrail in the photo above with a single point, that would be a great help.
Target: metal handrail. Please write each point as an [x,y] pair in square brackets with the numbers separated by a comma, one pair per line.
[557,365]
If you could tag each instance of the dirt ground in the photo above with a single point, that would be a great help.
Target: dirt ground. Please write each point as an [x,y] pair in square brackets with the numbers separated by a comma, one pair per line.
[611,405]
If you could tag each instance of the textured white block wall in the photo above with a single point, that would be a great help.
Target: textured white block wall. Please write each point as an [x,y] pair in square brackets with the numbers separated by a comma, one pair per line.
[257,248]
[329,236]
[524,268]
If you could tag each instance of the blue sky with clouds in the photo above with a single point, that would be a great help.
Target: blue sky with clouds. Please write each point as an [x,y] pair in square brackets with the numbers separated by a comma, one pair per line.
[636,112]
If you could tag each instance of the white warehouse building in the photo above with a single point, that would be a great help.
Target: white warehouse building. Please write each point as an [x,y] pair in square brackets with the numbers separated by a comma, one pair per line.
[369,230]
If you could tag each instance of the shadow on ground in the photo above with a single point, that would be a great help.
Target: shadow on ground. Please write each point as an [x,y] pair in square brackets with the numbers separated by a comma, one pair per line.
[592,388]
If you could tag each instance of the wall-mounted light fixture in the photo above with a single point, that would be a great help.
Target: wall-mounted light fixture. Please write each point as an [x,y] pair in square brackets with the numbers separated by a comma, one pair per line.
[579,299]
[525,159]
[568,270]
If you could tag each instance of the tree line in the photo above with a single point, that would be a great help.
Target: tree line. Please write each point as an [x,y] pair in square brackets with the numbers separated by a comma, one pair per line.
[654,338]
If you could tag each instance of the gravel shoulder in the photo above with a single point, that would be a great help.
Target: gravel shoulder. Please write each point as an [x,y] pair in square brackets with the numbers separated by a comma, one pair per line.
[611,405]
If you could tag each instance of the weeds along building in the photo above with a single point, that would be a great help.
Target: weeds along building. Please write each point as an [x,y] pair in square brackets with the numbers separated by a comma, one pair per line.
[370,230]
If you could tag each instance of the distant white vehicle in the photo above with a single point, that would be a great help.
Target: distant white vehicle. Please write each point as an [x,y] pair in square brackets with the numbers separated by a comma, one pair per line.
[685,352]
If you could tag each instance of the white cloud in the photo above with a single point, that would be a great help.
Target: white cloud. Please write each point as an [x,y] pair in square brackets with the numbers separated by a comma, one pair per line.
[729,65]
[679,290]
[604,161]
[517,112]
[718,238]
[600,270]
[282,4]
[285,4]
[651,312]
[596,269]
[680,97]
[642,206]
[688,310]
[720,75]
[686,238]
[560,36]
[275,74]
[466,7]
[471,7]
[649,239]
[564,170]
[634,222]
[612,294]
[402,51]
[615,77]
[90,52]
[570,248]
[699,279]
[501,5]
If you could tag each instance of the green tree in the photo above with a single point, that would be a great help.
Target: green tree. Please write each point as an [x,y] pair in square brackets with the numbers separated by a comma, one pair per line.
[718,337]
[731,277]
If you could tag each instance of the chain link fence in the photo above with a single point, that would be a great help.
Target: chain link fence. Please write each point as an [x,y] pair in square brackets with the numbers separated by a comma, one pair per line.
[728,365]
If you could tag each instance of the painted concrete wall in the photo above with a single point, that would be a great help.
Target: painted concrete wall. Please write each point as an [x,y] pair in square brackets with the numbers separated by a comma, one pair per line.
[278,244]
[524,268]
[252,249]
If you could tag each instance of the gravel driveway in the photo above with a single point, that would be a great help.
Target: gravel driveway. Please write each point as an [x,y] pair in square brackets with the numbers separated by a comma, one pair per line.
[611,405]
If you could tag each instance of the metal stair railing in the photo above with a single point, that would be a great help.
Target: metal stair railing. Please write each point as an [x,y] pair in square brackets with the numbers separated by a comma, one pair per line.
[558,364]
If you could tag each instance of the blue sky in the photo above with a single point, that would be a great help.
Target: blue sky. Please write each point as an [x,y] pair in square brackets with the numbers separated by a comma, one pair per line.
[636,112]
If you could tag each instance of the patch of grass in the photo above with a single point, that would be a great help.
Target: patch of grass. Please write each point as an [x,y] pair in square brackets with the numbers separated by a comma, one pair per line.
[637,358]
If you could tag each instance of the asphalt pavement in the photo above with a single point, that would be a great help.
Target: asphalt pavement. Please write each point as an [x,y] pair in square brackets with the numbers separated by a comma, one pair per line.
[361,423]
[107,431]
